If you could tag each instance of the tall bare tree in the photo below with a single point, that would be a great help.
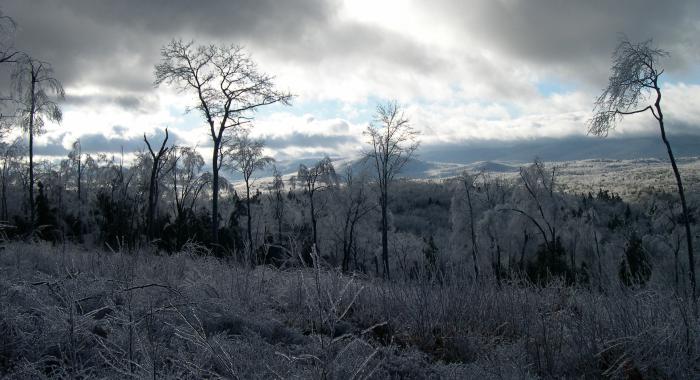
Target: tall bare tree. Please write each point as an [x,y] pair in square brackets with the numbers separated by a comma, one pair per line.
[75,160]
[633,80]
[355,204]
[277,199]
[228,88]
[37,92]
[75,157]
[188,178]
[393,143]
[314,179]
[246,156]
[469,183]
[158,162]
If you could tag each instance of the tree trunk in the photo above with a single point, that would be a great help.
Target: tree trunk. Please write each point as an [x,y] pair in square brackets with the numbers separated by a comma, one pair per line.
[681,193]
[385,236]
[3,200]
[600,264]
[279,216]
[348,237]
[31,156]
[475,249]
[80,174]
[80,197]
[313,221]
[351,240]
[346,247]
[526,238]
[215,196]
[249,220]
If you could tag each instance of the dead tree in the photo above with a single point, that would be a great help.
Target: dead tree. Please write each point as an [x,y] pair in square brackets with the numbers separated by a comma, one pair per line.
[158,162]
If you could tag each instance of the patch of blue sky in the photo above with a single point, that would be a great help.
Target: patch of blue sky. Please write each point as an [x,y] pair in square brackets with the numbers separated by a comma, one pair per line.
[690,75]
[186,120]
[551,87]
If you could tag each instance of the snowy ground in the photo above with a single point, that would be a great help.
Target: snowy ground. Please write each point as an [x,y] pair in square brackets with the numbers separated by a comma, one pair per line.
[66,312]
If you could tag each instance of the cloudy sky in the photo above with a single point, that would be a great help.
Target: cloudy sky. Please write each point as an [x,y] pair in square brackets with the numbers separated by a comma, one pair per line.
[464,70]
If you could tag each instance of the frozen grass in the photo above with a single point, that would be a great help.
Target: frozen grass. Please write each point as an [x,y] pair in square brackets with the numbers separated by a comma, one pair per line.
[77,314]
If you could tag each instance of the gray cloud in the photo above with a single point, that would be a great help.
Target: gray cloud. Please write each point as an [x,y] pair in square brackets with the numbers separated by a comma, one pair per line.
[101,143]
[127,102]
[304,140]
[53,149]
[116,43]
[576,36]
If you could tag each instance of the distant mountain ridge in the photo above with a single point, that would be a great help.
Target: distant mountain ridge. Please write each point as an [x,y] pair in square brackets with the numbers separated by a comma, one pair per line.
[440,161]
[564,149]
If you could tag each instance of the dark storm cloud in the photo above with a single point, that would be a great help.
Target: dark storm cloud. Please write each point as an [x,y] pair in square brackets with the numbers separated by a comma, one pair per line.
[116,43]
[52,149]
[114,143]
[577,36]
[127,102]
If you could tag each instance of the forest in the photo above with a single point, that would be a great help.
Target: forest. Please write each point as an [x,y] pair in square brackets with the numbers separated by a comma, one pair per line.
[166,263]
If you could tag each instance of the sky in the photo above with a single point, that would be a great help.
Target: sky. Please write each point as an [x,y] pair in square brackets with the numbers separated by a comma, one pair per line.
[464,71]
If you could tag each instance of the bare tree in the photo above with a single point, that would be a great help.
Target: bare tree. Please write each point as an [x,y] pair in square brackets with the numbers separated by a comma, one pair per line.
[539,184]
[634,78]
[36,92]
[75,160]
[246,156]
[355,206]
[188,179]
[468,181]
[277,200]
[75,156]
[158,162]
[314,179]
[228,89]
[393,143]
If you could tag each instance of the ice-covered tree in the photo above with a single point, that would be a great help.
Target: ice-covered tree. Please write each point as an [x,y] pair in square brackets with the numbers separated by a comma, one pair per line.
[634,88]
